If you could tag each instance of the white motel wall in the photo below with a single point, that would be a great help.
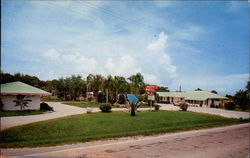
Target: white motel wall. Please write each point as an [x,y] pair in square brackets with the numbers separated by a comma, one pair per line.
[9,105]
[10,91]
[196,98]
[204,103]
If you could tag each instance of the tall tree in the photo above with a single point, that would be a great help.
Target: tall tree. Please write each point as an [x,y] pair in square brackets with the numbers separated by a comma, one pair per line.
[241,98]
[77,87]
[137,83]
[108,87]
[96,84]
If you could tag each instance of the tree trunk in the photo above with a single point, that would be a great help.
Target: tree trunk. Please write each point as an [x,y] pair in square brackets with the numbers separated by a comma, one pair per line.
[96,96]
[107,96]
[132,109]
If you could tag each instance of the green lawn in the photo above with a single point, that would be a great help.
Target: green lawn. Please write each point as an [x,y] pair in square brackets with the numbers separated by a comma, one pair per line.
[94,104]
[94,126]
[83,104]
[51,99]
[21,113]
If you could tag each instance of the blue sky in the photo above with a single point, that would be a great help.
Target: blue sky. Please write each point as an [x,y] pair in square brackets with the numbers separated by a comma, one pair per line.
[172,43]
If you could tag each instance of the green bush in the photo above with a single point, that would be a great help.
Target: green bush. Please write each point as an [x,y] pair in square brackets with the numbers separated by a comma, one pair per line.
[105,107]
[45,106]
[183,106]
[230,105]
[157,107]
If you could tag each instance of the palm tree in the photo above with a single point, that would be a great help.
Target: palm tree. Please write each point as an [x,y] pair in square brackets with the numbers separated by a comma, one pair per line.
[88,84]
[96,83]
[76,87]
[108,87]
[22,101]
[137,83]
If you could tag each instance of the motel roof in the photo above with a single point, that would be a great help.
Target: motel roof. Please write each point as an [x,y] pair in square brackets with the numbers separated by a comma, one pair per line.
[192,95]
[19,88]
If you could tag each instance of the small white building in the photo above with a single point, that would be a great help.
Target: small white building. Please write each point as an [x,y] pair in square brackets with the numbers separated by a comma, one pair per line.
[197,98]
[11,91]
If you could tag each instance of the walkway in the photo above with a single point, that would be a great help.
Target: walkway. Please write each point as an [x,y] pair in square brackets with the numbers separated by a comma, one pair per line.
[230,142]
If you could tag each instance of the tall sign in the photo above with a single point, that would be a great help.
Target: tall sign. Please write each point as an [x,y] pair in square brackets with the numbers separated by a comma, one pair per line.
[151,88]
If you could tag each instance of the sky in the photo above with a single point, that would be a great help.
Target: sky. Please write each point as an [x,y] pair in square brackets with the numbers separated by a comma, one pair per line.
[190,44]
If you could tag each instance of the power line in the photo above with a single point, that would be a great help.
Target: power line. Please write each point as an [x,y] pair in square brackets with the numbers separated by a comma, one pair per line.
[118,16]
[78,12]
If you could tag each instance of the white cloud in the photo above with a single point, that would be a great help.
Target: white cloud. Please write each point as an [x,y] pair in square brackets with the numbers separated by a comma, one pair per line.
[127,62]
[124,66]
[150,78]
[51,53]
[159,61]
[159,44]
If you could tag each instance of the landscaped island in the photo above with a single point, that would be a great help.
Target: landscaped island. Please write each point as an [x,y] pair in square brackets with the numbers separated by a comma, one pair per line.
[94,126]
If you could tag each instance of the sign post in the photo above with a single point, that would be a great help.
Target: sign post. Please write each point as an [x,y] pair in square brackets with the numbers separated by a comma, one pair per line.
[151,89]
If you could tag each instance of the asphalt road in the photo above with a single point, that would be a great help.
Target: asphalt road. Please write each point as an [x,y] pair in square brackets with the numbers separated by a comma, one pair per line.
[222,142]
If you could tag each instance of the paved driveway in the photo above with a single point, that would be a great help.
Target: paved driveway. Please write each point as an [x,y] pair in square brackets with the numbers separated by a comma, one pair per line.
[61,110]
[221,112]
[222,142]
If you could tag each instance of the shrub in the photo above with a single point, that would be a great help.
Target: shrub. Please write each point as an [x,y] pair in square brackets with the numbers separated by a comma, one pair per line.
[183,106]
[45,106]
[105,107]
[157,107]
[230,105]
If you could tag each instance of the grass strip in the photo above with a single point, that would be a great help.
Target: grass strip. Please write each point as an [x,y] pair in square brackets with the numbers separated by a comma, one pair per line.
[95,126]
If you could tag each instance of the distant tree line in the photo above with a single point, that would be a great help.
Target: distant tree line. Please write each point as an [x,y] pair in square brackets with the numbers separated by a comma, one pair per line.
[75,86]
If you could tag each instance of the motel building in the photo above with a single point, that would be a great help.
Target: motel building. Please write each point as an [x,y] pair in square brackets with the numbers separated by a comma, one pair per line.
[193,98]
[11,91]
